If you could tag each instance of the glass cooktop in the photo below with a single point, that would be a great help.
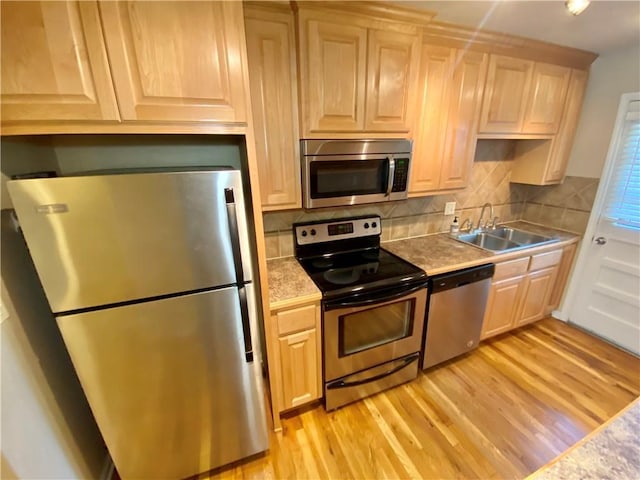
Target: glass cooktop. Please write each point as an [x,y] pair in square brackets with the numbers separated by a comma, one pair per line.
[359,270]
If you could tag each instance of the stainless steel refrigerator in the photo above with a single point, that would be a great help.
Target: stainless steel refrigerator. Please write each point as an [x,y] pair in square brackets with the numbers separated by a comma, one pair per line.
[150,278]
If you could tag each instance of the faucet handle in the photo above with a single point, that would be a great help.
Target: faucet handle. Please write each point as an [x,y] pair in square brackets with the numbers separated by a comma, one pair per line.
[469,225]
[494,223]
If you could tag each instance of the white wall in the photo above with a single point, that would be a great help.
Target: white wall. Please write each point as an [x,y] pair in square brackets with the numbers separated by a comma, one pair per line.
[611,75]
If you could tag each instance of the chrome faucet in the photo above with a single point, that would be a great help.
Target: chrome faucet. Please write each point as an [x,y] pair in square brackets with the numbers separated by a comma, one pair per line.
[466,225]
[479,226]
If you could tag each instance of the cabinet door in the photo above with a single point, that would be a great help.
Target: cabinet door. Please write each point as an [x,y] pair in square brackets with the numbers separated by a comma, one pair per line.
[431,127]
[298,356]
[564,268]
[506,92]
[177,60]
[546,101]
[392,72]
[563,141]
[464,114]
[54,64]
[502,306]
[271,58]
[333,77]
[535,295]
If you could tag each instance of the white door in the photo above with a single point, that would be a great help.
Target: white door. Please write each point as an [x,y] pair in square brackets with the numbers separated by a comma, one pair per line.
[606,297]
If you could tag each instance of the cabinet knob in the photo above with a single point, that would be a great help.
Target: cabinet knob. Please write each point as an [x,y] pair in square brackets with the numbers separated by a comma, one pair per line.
[600,240]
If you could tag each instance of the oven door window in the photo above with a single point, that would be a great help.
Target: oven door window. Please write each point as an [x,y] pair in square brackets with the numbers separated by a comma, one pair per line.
[374,327]
[342,178]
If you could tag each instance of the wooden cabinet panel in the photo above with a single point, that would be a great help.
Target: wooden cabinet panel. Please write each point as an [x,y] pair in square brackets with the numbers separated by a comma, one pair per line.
[506,92]
[563,141]
[271,59]
[444,135]
[465,101]
[535,295]
[298,355]
[296,319]
[54,63]
[333,76]
[431,127]
[544,260]
[176,60]
[511,268]
[502,306]
[564,268]
[392,73]
[546,101]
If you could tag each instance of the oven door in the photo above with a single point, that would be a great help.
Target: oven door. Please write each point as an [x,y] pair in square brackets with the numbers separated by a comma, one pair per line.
[334,180]
[370,332]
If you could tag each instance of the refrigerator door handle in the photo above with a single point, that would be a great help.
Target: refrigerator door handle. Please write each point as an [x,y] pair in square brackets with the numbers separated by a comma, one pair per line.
[237,261]
[246,327]
[232,218]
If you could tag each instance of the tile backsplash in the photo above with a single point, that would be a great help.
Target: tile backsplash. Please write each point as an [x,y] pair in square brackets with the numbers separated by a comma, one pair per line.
[564,206]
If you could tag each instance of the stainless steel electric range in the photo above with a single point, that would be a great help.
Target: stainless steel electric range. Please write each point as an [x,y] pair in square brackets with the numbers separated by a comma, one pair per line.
[373,307]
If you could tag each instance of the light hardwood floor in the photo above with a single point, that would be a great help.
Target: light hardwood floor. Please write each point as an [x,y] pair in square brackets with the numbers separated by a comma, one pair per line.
[502,411]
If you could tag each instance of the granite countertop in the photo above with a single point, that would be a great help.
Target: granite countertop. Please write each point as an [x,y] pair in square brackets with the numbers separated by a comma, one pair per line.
[440,253]
[289,284]
[611,451]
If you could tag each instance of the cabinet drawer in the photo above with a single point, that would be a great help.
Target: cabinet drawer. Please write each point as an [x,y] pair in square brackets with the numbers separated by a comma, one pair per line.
[544,260]
[511,268]
[296,319]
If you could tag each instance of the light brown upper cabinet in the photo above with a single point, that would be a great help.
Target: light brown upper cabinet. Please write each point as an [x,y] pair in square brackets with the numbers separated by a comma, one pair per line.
[451,82]
[356,74]
[176,60]
[523,97]
[563,141]
[54,64]
[274,100]
[544,162]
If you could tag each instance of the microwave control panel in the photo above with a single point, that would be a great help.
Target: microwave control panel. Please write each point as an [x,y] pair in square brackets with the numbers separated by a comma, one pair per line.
[401,175]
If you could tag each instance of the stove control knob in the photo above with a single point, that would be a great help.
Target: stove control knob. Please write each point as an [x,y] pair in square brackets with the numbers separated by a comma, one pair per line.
[366,225]
[374,224]
[313,232]
[304,233]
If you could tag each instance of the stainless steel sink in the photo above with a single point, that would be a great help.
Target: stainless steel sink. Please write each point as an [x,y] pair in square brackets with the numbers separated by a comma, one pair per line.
[519,236]
[504,239]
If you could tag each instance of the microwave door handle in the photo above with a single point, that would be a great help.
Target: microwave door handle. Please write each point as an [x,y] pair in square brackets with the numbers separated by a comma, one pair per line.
[392,173]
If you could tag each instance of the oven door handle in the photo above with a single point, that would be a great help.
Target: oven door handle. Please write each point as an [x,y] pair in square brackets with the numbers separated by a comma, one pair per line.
[372,298]
[405,363]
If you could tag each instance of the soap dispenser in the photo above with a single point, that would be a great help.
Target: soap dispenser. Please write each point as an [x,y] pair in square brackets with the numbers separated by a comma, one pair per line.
[455,226]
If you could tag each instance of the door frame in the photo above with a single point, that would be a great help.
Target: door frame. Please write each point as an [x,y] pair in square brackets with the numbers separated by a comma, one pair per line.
[566,308]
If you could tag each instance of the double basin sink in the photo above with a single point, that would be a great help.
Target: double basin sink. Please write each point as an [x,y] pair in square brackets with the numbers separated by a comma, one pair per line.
[503,239]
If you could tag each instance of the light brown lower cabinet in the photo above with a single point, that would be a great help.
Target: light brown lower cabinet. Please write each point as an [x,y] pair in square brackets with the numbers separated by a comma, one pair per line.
[535,295]
[526,289]
[298,370]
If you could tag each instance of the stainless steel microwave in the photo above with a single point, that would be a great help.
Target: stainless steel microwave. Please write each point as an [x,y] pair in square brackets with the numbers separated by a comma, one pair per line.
[350,172]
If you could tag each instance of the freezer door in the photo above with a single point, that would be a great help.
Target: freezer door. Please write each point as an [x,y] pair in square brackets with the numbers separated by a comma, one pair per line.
[169,384]
[98,240]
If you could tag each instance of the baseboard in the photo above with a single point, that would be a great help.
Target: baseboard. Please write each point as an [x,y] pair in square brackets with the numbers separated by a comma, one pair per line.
[560,315]
[107,468]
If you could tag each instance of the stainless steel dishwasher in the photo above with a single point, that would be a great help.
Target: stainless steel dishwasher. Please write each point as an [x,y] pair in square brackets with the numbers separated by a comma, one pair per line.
[457,303]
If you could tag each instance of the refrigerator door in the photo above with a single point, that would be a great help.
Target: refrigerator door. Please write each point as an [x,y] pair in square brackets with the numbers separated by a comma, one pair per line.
[99,240]
[169,384]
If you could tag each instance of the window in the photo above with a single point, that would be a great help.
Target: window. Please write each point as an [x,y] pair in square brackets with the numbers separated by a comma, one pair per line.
[622,203]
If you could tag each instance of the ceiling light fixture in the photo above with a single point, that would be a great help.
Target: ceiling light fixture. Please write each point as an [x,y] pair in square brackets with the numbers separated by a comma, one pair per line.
[576,7]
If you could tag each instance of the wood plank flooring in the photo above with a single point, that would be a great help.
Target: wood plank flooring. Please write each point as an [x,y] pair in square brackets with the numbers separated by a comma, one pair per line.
[502,411]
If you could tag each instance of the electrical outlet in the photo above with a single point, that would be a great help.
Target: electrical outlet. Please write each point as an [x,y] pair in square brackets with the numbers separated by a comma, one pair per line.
[450,208]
